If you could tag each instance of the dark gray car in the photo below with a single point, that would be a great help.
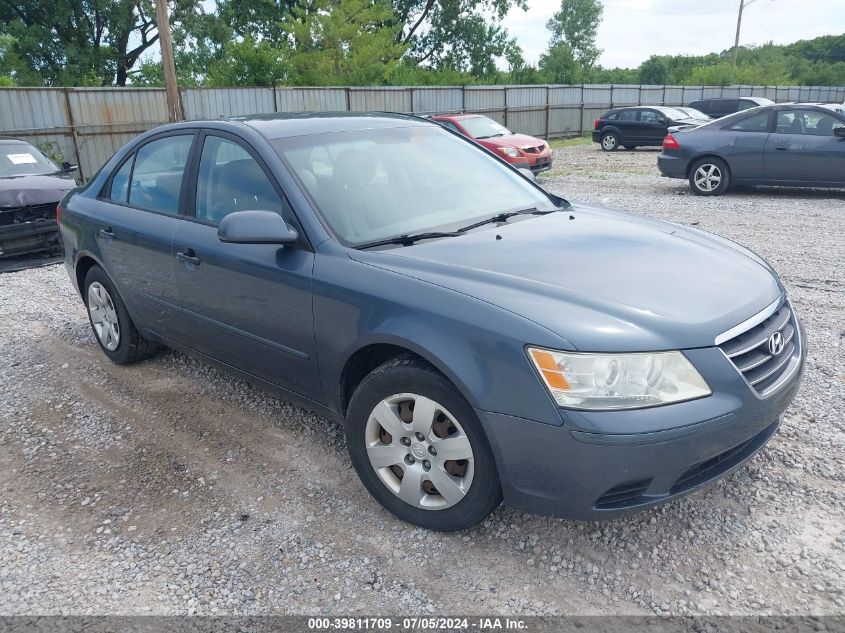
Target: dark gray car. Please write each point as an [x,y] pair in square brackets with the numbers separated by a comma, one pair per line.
[479,337]
[789,145]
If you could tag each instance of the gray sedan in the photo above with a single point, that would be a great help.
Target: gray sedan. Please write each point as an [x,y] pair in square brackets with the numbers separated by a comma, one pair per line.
[788,145]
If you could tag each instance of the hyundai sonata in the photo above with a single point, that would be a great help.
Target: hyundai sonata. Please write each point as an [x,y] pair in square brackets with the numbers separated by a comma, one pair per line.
[481,338]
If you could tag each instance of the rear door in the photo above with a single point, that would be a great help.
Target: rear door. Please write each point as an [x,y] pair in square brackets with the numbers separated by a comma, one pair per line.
[629,126]
[803,148]
[246,305]
[136,220]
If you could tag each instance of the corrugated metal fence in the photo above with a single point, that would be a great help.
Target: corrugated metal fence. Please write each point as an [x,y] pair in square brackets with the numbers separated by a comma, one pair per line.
[87,125]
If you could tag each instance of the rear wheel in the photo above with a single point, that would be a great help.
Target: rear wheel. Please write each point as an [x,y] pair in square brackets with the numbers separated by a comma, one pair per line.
[609,142]
[709,177]
[115,332]
[419,448]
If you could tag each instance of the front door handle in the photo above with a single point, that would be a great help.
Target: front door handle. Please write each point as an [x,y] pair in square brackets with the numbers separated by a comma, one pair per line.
[188,256]
[781,149]
[107,233]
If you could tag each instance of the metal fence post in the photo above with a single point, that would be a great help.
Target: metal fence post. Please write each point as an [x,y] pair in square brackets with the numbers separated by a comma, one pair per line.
[506,106]
[581,113]
[548,113]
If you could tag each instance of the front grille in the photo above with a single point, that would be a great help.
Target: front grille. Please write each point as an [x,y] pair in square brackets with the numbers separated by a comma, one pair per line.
[623,495]
[533,150]
[751,354]
[27,213]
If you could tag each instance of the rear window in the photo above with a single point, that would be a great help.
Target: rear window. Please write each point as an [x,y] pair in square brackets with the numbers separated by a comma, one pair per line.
[755,123]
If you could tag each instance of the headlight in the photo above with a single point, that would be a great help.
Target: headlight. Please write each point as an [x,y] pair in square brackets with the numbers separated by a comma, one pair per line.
[510,151]
[617,381]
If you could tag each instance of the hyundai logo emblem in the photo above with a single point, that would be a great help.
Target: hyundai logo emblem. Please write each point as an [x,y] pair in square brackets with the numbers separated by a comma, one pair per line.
[776,344]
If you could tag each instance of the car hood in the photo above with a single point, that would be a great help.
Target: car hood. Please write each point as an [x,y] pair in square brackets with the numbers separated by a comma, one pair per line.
[602,280]
[514,140]
[18,191]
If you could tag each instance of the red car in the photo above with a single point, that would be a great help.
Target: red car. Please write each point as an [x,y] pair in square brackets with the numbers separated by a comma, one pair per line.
[518,149]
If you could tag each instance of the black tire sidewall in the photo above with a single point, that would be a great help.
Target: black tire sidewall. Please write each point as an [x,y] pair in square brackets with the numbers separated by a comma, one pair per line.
[123,353]
[723,185]
[416,377]
[615,138]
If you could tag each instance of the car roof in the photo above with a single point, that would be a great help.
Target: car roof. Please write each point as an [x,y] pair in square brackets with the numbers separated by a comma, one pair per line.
[13,141]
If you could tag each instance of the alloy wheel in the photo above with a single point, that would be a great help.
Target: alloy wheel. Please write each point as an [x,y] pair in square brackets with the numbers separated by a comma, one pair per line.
[608,142]
[419,451]
[707,177]
[103,316]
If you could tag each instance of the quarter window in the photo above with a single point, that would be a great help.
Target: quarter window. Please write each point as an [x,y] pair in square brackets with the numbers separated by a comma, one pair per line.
[756,123]
[120,182]
[230,180]
[157,176]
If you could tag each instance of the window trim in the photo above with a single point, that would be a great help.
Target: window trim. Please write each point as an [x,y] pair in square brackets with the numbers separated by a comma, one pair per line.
[106,189]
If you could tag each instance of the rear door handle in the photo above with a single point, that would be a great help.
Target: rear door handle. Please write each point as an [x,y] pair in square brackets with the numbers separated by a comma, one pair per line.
[107,233]
[188,256]
[781,149]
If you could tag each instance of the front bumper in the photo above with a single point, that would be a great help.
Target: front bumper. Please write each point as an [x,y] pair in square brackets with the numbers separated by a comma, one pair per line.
[601,465]
[27,238]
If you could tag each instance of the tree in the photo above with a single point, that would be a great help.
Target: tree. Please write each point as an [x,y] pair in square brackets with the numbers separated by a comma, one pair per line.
[82,42]
[559,66]
[576,24]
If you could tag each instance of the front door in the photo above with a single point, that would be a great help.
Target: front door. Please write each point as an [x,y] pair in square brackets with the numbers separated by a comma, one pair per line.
[137,219]
[803,148]
[654,126]
[246,305]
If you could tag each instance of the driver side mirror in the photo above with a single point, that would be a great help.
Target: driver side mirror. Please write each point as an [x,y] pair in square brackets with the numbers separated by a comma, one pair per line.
[256,227]
[839,131]
[69,167]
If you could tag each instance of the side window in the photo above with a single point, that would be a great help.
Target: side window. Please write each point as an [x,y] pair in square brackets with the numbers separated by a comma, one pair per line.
[756,123]
[612,116]
[120,182]
[157,176]
[745,104]
[229,180]
[807,122]
[450,125]
[628,115]
[649,116]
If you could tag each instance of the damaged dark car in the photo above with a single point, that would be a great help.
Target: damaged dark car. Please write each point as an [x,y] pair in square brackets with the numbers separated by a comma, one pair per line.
[31,186]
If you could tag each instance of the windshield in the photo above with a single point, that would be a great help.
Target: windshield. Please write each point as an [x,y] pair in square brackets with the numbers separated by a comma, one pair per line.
[482,127]
[674,114]
[22,159]
[371,185]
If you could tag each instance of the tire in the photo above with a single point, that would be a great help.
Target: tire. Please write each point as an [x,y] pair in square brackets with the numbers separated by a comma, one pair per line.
[383,403]
[110,321]
[709,177]
[609,142]
[629,147]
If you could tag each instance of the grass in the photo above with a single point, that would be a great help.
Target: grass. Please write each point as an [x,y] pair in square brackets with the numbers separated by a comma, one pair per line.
[559,143]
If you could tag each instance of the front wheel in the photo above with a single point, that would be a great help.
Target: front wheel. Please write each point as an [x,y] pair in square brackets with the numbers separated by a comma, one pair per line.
[709,177]
[419,449]
[609,142]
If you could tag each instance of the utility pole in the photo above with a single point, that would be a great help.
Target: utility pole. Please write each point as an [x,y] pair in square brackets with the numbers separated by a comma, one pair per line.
[742,5]
[174,107]
[736,41]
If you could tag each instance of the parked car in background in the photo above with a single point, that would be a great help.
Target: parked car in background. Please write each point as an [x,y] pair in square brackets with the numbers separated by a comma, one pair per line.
[632,127]
[692,113]
[717,108]
[31,186]
[520,150]
[481,337]
[788,144]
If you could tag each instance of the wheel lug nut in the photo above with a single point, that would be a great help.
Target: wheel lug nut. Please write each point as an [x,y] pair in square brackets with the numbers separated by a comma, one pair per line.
[406,441]
[426,464]
[409,459]
[420,437]
[432,450]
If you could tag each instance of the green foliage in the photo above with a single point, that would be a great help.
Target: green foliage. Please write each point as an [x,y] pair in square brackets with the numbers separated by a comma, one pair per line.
[51,151]
[559,66]
[576,24]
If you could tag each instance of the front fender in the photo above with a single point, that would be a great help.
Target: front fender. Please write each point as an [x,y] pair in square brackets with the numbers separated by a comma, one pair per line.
[478,346]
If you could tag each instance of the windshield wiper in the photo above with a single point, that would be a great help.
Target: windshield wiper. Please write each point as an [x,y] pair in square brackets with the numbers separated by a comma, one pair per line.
[409,238]
[503,217]
[478,138]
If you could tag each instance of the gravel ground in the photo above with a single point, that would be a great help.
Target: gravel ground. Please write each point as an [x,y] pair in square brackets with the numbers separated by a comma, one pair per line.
[170,487]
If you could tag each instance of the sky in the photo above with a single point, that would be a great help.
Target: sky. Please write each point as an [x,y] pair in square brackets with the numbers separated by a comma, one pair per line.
[633,30]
